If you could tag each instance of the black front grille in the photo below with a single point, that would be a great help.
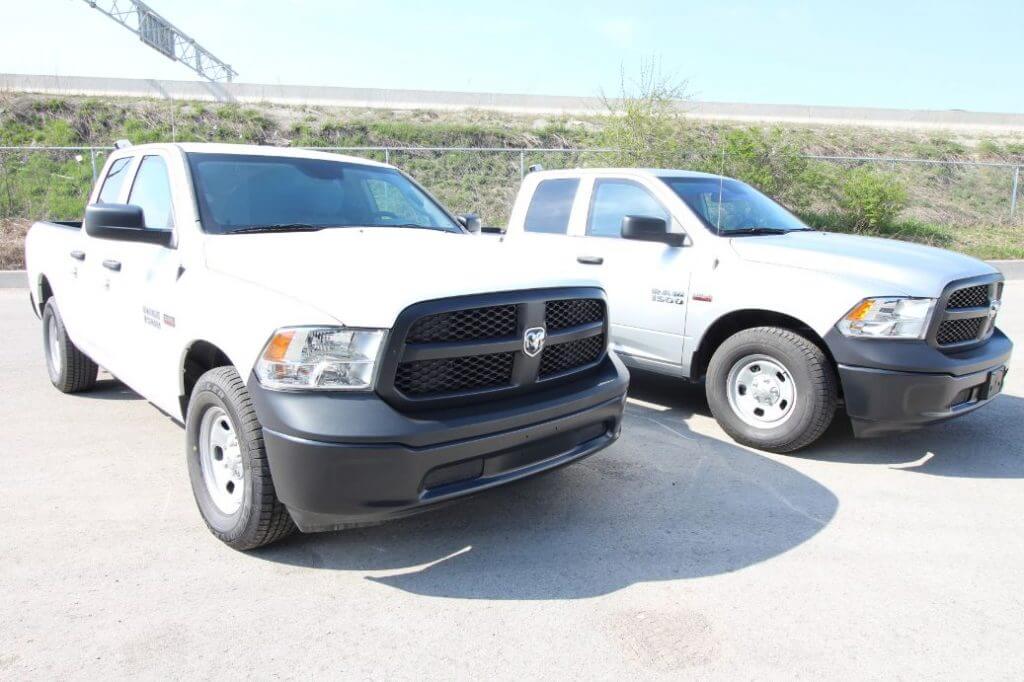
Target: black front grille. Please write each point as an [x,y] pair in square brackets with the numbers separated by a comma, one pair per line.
[969,297]
[568,356]
[445,352]
[966,315]
[448,375]
[572,312]
[959,331]
[459,325]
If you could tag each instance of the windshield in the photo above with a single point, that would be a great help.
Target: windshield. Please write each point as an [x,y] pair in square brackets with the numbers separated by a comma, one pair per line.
[729,206]
[239,192]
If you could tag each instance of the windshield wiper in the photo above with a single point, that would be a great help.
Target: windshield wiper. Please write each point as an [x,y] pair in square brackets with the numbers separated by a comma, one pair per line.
[757,230]
[436,228]
[279,227]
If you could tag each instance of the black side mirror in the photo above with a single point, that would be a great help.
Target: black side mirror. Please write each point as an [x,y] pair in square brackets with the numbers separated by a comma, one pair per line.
[648,229]
[470,221]
[122,222]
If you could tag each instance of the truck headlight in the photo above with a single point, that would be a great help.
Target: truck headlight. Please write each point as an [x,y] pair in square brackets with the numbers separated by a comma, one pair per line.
[325,358]
[889,317]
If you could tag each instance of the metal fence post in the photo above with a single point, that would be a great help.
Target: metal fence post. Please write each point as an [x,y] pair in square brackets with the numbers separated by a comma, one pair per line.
[387,155]
[1013,197]
[522,164]
[92,160]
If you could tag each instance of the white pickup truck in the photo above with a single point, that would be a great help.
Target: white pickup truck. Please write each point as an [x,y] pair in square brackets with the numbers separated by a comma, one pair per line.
[709,279]
[338,348]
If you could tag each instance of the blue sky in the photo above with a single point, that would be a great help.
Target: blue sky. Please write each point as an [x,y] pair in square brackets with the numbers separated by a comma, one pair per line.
[943,54]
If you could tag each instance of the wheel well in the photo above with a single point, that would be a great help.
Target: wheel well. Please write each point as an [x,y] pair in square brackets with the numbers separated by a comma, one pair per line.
[737,321]
[45,293]
[201,357]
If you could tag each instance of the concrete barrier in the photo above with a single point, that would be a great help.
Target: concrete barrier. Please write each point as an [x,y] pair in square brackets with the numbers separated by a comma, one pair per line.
[13,279]
[380,98]
[1011,269]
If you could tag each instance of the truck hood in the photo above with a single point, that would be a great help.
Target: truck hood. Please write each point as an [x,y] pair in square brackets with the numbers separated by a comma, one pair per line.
[364,277]
[908,269]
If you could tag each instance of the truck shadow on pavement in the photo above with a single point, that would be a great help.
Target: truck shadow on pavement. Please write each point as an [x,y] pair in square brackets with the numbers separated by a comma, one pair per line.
[661,504]
[983,444]
[110,389]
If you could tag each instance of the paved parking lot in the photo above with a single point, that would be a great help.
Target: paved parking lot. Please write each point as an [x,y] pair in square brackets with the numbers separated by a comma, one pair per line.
[675,552]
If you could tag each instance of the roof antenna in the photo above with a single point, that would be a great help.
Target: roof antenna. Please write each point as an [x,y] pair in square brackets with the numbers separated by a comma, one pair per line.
[536,167]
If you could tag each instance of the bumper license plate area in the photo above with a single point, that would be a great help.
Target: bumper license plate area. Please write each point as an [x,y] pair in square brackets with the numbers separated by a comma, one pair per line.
[993,385]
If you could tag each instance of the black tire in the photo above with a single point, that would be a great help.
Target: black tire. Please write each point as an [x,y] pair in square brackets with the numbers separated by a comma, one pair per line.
[71,371]
[814,405]
[261,519]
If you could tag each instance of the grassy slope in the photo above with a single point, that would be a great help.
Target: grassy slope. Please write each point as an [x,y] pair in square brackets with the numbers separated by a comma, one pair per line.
[966,209]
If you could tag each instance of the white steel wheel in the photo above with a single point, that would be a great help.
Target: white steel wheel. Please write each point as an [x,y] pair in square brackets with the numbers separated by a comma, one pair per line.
[53,346]
[761,391]
[228,466]
[220,458]
[771,388]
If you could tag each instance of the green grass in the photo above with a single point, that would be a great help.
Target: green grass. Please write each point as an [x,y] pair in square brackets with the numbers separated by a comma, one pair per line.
[963,208]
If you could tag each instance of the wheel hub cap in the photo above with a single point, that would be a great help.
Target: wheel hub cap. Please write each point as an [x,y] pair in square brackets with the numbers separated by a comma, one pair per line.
[761,391]
[220,458]
[54,345]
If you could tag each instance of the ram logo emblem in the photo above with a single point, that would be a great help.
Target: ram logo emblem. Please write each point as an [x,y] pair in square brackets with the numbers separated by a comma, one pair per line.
[533,340]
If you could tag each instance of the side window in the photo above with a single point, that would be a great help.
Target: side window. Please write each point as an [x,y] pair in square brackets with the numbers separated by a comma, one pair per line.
[551,205]
[112,184]
[615,199]
[152,192]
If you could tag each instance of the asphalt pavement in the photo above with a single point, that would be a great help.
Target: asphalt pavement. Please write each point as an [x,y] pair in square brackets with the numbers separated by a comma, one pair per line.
[674,553]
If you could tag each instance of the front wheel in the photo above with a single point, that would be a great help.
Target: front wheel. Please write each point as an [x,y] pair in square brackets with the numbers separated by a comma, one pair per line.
[227,464]
[772,389]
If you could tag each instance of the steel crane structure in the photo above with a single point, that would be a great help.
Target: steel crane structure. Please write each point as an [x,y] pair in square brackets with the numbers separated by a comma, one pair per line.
[164,37]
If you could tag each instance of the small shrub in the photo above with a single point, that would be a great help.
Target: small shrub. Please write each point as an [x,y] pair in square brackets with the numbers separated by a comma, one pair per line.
[872,199]
[646,124]
[989,148]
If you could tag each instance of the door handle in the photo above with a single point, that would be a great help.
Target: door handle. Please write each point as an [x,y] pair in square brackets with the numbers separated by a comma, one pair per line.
[78,255]
[114,265]
[590,260]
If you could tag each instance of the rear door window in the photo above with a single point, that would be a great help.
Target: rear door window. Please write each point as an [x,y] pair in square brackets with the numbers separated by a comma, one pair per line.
[112,184]
[551,206]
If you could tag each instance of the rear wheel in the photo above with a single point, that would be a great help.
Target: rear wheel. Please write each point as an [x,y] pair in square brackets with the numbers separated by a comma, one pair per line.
[70,370]
[772,389]
[228,466]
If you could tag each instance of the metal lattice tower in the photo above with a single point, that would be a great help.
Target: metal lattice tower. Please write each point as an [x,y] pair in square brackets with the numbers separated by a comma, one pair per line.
[164,37]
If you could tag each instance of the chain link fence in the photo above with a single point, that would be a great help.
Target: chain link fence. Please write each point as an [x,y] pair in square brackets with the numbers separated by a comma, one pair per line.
[53,183]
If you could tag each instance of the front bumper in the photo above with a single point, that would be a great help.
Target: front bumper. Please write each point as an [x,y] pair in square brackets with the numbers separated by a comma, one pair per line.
[894,386]
[341,459]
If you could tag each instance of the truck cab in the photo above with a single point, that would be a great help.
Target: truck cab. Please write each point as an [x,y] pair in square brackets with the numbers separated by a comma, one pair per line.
[338,346]
[710,280]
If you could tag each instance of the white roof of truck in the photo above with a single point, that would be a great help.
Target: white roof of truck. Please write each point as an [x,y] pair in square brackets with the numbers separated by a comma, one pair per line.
[657,172]
[254,149]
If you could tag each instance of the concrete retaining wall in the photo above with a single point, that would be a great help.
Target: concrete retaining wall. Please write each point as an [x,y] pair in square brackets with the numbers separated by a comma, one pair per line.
[536,104]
